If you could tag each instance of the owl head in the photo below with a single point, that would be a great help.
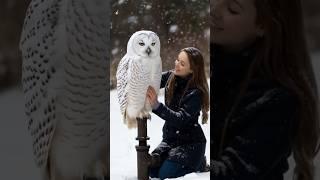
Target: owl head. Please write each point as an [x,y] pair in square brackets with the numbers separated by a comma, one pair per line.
[144,43]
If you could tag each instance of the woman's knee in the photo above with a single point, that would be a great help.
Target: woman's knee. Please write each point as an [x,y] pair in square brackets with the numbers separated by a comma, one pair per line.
[170,169]
[154,172]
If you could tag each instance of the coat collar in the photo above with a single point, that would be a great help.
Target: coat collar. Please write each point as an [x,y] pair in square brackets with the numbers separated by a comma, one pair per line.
[231,66]
[182,81]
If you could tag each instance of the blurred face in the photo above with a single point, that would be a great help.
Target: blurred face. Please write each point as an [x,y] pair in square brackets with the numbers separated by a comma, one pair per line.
[182,65]
[234,24]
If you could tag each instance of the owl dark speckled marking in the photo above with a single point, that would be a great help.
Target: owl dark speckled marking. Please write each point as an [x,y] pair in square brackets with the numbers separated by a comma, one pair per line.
[64,45]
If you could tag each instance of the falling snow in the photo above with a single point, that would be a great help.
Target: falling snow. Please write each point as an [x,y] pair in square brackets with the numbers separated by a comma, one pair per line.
[133,19]
[173,28]
[179,24]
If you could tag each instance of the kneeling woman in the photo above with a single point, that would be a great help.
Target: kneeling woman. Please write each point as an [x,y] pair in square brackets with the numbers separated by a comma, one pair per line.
[186,94]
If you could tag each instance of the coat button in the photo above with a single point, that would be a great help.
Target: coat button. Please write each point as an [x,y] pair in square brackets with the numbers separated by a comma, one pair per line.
[177,132]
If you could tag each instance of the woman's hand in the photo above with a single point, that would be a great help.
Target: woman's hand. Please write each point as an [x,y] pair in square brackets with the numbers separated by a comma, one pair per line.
[152,97]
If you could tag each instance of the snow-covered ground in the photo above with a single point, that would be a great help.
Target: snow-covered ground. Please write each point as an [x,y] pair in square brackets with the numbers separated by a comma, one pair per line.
[123,156]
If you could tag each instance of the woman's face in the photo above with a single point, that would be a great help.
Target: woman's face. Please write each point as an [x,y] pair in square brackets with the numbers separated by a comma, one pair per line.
[234,23]
[182,65]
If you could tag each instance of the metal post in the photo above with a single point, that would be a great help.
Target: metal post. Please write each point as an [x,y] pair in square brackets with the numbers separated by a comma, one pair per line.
[143,156]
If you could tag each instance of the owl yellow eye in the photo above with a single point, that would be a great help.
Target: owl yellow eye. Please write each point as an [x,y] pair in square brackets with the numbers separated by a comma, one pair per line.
[153,44]
[141,43]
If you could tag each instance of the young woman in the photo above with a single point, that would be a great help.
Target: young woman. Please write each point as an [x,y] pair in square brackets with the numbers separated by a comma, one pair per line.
[186,94]
[265,103]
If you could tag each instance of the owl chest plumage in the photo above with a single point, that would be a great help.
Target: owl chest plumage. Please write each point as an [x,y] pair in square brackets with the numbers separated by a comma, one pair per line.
[141,79]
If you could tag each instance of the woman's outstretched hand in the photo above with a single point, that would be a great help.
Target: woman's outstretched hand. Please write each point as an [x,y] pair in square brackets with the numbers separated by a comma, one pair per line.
[152,97]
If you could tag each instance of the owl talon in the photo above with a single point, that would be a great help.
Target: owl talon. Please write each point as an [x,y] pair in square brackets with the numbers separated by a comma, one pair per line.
[146,115]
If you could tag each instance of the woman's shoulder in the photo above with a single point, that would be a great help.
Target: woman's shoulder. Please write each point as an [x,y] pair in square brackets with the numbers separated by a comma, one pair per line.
[267,93]
[167,73]
[192,92]
[266,101]
[164,78]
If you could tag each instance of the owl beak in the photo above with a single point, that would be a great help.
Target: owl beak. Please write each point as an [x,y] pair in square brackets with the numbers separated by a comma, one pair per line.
[148,51]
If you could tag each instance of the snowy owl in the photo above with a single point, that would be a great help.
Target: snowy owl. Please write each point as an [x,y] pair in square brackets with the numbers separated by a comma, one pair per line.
[64,46]
[139,68]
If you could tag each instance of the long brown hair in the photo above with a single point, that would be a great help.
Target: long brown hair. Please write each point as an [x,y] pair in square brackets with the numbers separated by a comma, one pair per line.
[282,56]
[198,80]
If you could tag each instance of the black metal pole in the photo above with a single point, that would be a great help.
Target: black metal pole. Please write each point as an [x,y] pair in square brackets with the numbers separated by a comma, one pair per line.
[143,156]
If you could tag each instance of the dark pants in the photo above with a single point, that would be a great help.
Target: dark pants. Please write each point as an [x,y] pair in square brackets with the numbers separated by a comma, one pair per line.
[170,169]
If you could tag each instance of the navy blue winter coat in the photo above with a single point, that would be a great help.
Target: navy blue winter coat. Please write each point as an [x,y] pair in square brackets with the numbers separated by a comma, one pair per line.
[257,140]
[183,139]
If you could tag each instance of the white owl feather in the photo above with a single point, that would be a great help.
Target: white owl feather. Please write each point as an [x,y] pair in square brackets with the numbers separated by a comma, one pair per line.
[139,68]
[64,76]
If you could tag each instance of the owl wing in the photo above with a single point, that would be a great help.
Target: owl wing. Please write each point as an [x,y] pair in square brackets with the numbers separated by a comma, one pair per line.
[122,82]
[130,75]
[38,43]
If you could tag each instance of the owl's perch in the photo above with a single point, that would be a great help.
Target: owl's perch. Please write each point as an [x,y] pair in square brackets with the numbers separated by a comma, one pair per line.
[144,160]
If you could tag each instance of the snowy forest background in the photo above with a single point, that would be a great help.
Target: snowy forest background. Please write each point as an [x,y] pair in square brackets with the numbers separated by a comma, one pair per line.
[179,23]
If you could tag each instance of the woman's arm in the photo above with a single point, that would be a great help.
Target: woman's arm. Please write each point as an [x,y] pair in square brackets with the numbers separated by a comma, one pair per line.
[186,113]
[253,151]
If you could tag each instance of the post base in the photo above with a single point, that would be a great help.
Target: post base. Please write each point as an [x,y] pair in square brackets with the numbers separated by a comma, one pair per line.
[143,156]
